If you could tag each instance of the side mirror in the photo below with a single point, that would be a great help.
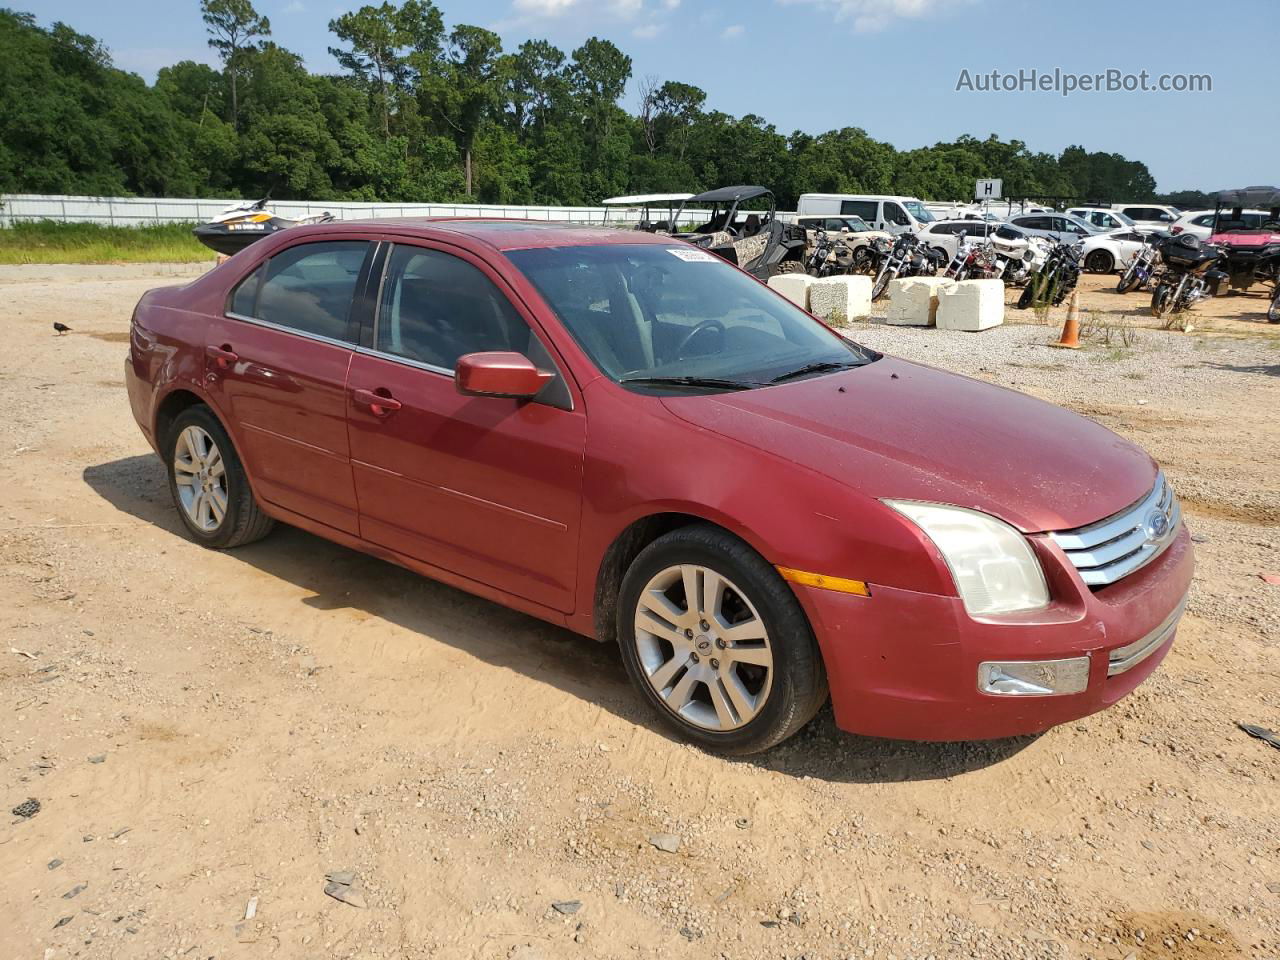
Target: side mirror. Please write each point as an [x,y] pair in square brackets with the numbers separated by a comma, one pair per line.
[499,373]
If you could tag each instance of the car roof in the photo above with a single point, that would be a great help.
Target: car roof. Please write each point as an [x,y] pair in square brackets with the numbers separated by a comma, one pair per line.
[730,194]
[497,234]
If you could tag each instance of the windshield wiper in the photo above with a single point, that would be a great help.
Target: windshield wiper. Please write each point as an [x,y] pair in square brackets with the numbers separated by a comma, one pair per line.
[718,383]
[821,366]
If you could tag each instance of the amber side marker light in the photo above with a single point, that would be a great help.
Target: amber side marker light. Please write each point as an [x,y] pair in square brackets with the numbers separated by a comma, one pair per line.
[838,584]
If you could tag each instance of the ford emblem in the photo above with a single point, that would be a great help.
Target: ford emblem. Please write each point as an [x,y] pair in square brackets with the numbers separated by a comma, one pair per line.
[1157,525]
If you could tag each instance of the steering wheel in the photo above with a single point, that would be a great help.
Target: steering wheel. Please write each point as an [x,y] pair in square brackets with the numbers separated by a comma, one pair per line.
[703,327]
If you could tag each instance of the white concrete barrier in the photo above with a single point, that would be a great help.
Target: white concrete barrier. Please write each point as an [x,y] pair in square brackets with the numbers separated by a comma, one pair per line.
[793,286]
[913,301]
[847,298]
[971,305]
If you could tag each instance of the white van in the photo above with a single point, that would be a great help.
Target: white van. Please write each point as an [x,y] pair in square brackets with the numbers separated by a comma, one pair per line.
[894,214]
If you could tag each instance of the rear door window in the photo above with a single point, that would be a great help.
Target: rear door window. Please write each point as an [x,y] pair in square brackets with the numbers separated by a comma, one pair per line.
[308,288]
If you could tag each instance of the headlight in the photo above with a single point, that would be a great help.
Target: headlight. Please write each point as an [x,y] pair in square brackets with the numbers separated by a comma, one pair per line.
[994,567]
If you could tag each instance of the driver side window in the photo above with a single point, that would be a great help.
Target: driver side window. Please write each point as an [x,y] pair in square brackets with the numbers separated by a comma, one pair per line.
[895,214]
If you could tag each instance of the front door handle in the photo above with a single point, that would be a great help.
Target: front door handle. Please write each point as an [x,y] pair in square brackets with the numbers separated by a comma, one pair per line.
[223,356]
[380,402]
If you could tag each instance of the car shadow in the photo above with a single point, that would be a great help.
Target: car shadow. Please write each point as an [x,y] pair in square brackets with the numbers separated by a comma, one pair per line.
[336,578]
[1266,369]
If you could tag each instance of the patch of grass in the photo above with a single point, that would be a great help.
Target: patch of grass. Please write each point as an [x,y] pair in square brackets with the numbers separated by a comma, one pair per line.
[49,242]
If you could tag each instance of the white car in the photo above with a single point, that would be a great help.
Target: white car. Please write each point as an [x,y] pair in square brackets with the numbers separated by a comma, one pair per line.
[1101,218]
[1200,222]
[945,235]
[1107,252]
[1149,216]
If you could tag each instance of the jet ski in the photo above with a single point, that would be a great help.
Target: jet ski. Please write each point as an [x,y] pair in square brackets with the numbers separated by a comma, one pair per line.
[242,223]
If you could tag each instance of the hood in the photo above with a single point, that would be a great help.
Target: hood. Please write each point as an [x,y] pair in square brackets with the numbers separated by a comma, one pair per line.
[899,429]
[1246,238]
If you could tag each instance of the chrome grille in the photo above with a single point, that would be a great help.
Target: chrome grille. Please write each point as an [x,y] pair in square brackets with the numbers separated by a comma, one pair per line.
[1113,548]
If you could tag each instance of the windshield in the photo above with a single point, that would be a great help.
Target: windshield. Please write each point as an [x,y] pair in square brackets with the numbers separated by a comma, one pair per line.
[917,210]
[650,313]
[856,225]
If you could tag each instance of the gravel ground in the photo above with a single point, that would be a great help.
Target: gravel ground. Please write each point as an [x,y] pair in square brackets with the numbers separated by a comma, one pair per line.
[212,735]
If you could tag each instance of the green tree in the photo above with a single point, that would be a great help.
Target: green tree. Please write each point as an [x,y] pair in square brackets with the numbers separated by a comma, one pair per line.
[233,27]
[381,41]
[465,88]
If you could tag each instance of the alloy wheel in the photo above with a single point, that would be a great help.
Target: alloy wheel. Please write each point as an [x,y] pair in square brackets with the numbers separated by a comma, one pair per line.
[703,647]
[201,478]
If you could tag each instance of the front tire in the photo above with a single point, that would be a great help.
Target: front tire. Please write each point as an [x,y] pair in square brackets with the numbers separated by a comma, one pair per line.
[208,483]
[1273,314]
[1128,280]
[1161,300]
[881,285]
[736,669]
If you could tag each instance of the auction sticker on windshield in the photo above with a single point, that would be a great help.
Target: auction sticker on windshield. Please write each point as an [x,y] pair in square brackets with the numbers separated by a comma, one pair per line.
[693,256]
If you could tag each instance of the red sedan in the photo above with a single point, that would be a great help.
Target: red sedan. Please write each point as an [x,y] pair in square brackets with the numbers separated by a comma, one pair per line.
[627,436]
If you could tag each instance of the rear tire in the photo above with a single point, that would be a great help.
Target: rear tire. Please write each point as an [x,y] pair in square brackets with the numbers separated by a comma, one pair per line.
[1273,314]
[1028,294]
[1128,281]
[786,266]
[1100,261]
[686,666]
[208,483]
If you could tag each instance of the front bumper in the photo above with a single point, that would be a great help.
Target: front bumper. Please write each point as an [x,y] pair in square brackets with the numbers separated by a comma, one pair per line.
[905,665]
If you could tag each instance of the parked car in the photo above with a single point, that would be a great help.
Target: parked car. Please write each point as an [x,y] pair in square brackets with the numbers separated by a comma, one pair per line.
[859,232]
[1200,222]
[1055,226]
[894,214]
[1101,219]
[625,435]
[1148,217]
[1105,252]
[946,235]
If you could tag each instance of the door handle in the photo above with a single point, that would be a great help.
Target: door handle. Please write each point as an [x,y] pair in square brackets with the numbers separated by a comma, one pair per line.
[224,356]
[380,402]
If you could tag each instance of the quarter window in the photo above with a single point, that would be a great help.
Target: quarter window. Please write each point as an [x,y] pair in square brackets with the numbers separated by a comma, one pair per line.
[308,288]
[866,209]
[436,307]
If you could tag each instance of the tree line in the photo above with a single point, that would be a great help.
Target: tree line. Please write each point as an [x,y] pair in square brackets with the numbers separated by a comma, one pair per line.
[422,111]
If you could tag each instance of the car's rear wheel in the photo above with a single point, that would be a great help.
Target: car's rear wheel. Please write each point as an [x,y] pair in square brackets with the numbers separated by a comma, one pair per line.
[1100,261]
[717,642]
[208,483]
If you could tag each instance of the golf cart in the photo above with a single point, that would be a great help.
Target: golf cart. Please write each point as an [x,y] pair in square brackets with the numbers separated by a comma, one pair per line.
[742,226]
[1251,253]
[650,212]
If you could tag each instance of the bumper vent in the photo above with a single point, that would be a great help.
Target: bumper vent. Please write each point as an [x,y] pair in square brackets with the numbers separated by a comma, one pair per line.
[1111,549]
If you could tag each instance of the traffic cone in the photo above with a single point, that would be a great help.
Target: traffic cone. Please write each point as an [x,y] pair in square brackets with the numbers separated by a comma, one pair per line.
[1070,339]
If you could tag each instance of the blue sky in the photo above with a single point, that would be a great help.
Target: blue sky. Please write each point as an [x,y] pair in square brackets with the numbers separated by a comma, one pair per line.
[888,66]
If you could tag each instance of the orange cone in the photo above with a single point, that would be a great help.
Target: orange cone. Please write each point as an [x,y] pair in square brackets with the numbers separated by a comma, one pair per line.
[1070,339]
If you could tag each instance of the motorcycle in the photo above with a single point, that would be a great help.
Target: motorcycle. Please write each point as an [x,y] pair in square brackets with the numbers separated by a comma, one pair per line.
[1056,278]
[1189,275]
[829,257]
[908,257]
[242,223]
[1273,314]
[1142,269]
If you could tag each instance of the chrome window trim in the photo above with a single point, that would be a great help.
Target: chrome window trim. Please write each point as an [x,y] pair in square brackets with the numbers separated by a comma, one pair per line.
[1125,658]
[407,361]
[347,344]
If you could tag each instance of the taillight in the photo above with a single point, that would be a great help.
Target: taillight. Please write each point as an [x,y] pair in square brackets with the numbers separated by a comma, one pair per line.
[1176,230]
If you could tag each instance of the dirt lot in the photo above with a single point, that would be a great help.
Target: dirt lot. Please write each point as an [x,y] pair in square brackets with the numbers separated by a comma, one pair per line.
[204,731]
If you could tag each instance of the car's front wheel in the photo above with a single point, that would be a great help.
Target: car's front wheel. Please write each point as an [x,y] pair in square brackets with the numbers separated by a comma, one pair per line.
[716,641]
[208,483]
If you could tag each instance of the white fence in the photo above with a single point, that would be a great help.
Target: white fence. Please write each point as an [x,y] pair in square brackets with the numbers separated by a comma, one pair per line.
[135,211]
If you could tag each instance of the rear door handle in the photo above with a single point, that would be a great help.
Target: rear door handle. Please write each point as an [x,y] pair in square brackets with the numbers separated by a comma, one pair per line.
[224,356]
[380,402]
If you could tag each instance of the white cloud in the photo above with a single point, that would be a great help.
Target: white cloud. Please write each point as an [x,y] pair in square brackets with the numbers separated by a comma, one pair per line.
[733,31]
[671,4]
[536,9]
[648,31]
[295,6]
[869,16]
